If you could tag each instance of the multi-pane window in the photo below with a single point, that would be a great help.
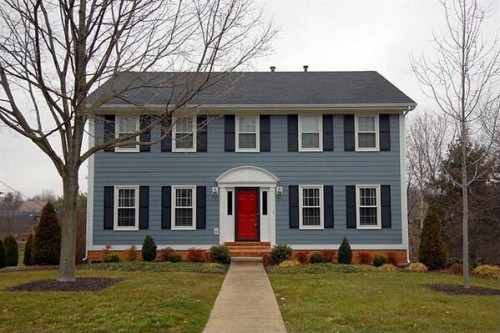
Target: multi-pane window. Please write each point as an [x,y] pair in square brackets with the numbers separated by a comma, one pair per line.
[311,203]
[366,132]
[247,136]
[126,207]
[126,125]
[184,136]
[310,133]
[183,207]
[368,207]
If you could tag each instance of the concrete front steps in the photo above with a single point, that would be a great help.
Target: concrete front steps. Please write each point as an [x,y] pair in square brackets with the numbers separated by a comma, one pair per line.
[249,249]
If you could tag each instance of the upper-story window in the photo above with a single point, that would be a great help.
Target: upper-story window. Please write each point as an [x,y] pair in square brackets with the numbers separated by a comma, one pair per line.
[247,133]
[184,135]
[310,133]
[127,125]
[367,133]
[126,208]
[368,207]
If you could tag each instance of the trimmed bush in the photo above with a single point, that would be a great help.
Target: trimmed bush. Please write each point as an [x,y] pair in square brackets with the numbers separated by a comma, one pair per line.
[174,257]
[416,267]
[456,269]
[290,263]
[488,271]
[11,252]
[316,258]
[112,257]
[148,249]
[196,255]
[220,254]
[164,253]
[365,258]
[131,253]
[345,253]
[2,255]
[388,268]
[302,257]
[47,243]
[328,255]
[28,252]
[379,260]
[432,252]
[280,253]
[453,260]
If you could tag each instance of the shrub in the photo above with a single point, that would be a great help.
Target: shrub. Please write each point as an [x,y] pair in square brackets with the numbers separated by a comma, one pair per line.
[316,258]
[379,260]
[164,253]
[28,252]
[220,254]
[365,258]
[392,258]
[280,253]
[174,257]
[196,255]
[302,257]
[453,260]
[388,268]
[328,255]
[489,271]
[416,267]
[432,252]
[345,253]
[456,269]
[112,257]
[47,243]
[11,253]
[2,255]
[148,249]
[290,263]
[131,253]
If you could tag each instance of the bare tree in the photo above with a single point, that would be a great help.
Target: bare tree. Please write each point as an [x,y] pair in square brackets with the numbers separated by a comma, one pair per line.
[46,195]
[9,205]
[462,79]
[53,53]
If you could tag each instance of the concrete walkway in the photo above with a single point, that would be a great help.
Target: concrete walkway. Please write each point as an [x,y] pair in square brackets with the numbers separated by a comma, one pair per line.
[246,302]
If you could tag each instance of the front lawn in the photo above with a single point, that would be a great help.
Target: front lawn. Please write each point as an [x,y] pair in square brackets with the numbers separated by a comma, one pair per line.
[143,302]
[332,298]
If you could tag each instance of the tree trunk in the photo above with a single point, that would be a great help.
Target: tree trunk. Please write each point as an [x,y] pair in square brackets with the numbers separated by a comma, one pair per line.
[68,230]
[465,215]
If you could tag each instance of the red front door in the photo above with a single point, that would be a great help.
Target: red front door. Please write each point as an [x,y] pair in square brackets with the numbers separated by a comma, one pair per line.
[247,220]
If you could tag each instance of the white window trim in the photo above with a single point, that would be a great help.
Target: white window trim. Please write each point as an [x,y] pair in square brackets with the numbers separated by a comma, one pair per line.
[321,208]
[174,132]
[377,131]
[320,148]
[176,187]
[379,213]
[117,131]
[257,135]
[115,207]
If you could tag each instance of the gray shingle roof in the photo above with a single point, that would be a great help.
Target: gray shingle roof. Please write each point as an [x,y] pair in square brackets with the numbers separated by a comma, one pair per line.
[257,88]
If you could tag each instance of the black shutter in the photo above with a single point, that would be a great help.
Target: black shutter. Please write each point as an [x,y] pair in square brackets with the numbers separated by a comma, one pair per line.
[201,135]
[265,133]
[293,132]
[166,133]
[144,207]
[385,132]
[201,207]
[109,130]
[109,209]
[166,203]
[386,206]
[293,201]
[327,132]
[328,202]
[146,136]
[228,133]
[350,202]
[349,140]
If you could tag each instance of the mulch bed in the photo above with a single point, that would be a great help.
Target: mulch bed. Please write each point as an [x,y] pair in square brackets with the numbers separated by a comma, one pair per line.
[456,289]
[81,284]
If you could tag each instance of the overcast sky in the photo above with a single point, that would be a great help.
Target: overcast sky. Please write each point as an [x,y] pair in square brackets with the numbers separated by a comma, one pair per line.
[325,35]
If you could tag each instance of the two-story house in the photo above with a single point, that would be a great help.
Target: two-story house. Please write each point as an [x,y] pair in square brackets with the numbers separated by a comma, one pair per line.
[302,158]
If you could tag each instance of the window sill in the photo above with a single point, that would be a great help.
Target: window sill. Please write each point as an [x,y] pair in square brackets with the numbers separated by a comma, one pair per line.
[247,150]
[311,227]
[360,227]
[190,150]
[127,150]
[183,228]
[367,149]
[125,228]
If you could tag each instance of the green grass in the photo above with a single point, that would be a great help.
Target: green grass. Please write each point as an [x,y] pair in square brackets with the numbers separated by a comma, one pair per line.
[143,302]
[331,298]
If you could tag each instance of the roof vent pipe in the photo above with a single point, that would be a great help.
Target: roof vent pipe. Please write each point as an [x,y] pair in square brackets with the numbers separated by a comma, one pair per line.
[273,68]
[305,68]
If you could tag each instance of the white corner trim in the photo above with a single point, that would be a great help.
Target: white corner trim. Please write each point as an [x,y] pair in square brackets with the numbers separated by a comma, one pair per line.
[90,189]
[404,198]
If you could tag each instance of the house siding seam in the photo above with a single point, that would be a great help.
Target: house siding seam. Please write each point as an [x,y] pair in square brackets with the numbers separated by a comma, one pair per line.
[338,168]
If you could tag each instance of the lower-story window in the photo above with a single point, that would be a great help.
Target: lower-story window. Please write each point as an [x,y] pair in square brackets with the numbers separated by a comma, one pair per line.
[368,202]
[311,206]
[126,207]
[183,204]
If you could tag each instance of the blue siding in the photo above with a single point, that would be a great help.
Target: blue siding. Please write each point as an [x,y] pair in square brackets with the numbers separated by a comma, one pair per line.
[337,168]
